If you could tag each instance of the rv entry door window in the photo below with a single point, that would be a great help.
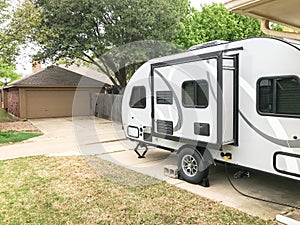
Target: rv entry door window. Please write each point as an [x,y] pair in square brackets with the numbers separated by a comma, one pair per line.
[195,94]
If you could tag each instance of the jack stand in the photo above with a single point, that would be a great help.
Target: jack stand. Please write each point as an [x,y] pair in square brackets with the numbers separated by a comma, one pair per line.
[144,153]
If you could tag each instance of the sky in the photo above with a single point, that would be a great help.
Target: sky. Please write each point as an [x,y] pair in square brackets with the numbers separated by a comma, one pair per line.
[25,65]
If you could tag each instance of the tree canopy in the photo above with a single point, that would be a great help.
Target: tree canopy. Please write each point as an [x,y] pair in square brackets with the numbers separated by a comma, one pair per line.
[8,47]
[7,71]
[215,22]
[117,36]
[86,30]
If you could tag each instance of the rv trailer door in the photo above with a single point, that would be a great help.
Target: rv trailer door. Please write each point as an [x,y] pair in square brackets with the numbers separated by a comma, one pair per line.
[184,101]
[195,100]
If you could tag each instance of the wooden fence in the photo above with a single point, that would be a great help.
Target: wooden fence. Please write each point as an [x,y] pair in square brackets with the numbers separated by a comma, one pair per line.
[108,106]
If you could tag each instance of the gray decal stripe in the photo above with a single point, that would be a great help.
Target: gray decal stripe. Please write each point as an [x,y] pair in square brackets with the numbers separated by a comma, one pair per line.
[284,143]
[180,116]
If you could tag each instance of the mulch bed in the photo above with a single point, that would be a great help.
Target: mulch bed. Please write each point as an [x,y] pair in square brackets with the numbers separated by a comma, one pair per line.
[19,126]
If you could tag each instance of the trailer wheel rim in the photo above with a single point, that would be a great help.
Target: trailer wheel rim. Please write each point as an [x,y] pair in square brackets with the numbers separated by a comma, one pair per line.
[189,165]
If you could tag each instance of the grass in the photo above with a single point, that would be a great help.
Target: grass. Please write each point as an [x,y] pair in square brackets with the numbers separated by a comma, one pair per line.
[14,136]
[75,190]
[5,117]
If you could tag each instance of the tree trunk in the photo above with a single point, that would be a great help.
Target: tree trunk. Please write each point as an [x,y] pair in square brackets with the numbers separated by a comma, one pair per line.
[121,76]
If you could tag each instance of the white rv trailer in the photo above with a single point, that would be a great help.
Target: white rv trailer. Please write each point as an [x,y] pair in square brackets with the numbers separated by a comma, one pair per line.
[237,102]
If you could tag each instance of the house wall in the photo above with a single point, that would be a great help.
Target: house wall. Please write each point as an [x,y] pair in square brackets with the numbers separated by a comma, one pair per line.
[13,101]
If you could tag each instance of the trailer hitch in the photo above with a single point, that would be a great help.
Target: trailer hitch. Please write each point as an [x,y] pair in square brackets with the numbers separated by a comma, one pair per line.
[145,151]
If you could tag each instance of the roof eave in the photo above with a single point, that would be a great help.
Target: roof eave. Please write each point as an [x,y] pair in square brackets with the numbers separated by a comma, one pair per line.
[252,8]
[49,86]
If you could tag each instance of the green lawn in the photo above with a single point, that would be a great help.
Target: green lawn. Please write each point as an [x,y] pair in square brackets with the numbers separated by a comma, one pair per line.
[5,117]
[69,190]
[15,136]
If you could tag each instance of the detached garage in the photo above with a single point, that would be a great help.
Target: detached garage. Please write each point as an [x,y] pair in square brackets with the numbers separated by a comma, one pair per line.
[54,92]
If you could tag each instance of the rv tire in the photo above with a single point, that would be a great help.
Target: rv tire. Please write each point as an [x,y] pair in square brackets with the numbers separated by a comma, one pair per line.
[192,167]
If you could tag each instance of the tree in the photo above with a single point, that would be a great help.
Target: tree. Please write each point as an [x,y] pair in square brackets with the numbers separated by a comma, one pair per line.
[5,46]
[8,48]
[7,71]
[215,22]
[90,30]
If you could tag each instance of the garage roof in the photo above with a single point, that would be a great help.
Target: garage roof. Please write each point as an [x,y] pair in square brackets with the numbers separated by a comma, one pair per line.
[57,76]
[285,12]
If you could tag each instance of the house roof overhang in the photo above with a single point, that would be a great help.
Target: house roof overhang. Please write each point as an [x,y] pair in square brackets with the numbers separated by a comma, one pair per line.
[284,12]
[52,86]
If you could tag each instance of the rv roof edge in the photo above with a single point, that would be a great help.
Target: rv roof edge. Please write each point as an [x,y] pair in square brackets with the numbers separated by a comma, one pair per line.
[208,44]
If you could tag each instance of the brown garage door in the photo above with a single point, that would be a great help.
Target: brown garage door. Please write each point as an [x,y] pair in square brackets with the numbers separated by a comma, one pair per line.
[56,103]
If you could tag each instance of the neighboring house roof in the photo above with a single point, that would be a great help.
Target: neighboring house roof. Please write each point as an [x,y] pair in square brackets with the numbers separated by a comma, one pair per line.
[88,72]
[61,76]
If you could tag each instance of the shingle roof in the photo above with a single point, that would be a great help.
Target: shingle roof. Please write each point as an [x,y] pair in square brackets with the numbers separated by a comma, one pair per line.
[88,72]
[56,76]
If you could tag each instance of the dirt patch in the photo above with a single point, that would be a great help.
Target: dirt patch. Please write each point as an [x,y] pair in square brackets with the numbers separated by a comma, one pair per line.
[19,126]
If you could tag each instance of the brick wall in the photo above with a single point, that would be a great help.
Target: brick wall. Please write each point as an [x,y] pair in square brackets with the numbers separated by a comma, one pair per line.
[13,101]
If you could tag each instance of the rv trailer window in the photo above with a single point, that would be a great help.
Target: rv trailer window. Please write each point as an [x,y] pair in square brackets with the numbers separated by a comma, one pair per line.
[138,97]
[279,96]
[195,94]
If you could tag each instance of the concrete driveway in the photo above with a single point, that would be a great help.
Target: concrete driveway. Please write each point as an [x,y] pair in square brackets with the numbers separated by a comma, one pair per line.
[86,136]
[68,136]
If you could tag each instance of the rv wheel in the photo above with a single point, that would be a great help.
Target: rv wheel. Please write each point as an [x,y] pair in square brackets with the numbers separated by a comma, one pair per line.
[192,166]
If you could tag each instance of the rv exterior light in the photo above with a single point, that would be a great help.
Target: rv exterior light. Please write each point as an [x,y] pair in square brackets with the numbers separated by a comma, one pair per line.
[133,131]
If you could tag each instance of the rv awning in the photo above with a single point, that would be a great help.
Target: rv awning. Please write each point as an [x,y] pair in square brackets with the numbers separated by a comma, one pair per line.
[284,12]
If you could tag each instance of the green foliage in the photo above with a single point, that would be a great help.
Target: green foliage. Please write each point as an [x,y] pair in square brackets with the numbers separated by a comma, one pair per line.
[25,24]
[7,70]
[108,33]
[13,136]
[5,45]
[88,29]
[19,21]
[215,22]
[3,11]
